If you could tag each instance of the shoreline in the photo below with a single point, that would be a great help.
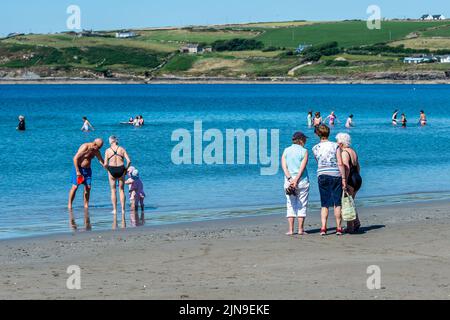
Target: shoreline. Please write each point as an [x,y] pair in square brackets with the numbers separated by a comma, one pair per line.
[247,212]
[207,223]
[175,80]
[243,258]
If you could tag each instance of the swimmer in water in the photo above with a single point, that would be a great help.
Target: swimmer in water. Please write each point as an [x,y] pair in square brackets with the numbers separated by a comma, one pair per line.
[87,126]
[404,121]
[349,124]
[423,118]
[21,125]
[332,118]
[317,120]
[394,118]
[309,119]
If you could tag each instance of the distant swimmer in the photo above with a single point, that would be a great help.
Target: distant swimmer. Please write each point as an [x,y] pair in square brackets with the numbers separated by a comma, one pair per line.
[332,118]
[141,121]
[309,119]
[394,118]
[404,120]
[21,125]
[87,126]
[349,124]
[423,118]
[317,119]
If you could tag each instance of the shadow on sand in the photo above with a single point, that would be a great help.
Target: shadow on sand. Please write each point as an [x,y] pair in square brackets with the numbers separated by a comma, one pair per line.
[362,230]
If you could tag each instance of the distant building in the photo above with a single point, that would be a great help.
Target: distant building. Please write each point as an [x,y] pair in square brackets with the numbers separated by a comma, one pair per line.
[302,47]
[426,17]
[444,59]
[438,17]
[419,60]
[192,48]
[126,34]
[207,49]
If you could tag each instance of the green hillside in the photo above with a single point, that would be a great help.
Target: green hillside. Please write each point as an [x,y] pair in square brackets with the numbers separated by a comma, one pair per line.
[263,49]
[347,33]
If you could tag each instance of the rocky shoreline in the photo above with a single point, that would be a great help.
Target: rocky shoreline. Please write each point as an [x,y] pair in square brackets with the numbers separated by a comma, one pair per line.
[367,78]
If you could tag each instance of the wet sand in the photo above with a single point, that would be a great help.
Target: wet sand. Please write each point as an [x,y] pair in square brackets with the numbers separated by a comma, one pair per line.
[248,258]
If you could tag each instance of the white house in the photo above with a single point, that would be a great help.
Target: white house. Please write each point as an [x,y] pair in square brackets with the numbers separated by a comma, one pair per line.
[127,34]
[438,17]
[418,60]
[427,17]
[191,48]
[444,59]
[302,47]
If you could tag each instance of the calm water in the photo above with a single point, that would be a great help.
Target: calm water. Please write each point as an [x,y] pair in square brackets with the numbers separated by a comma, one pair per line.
[36,164]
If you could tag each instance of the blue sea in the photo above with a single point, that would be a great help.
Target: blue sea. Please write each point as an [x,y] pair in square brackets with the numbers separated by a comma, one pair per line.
[397,164]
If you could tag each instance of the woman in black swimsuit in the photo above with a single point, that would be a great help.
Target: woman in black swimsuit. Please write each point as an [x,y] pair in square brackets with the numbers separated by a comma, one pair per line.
[352,173]
[115,158]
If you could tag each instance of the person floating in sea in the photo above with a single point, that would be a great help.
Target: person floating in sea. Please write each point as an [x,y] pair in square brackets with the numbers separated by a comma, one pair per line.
[309,119]
[404,120]
[82,173]
[317,120]
[141,121]
[137,196]
[21,126]
[332,119]
[349,124]
[394,118]
[423,118]
[87,126]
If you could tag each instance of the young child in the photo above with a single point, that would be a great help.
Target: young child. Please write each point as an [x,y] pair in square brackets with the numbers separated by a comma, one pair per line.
[137,196]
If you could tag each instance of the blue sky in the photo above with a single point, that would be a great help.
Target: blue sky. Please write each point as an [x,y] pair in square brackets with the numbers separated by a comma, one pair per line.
[43,16]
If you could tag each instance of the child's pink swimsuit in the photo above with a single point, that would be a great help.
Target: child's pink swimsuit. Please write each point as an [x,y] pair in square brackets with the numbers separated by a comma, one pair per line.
[136,190]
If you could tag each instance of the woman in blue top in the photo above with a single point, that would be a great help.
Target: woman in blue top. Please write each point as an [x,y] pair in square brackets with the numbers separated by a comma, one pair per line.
[296,184]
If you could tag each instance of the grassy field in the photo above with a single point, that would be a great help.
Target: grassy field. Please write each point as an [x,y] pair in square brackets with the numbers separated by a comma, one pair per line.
[283,24]
[432,44]
[443,31]
[68,41]
[195,35]
[347,33]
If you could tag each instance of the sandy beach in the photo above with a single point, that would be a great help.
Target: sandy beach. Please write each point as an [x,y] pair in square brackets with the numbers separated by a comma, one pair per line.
[247,258]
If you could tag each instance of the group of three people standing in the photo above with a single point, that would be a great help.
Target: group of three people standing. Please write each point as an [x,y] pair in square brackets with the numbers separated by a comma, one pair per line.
[338,171]
[114,163]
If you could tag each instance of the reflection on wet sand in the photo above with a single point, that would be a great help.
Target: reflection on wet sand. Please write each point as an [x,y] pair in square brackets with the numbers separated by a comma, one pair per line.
[73,223]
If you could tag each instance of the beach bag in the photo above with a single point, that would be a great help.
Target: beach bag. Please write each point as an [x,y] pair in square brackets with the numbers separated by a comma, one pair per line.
[348,208]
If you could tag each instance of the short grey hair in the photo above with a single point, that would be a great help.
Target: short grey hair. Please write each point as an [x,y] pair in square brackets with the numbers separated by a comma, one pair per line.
[113,139]
[344,138]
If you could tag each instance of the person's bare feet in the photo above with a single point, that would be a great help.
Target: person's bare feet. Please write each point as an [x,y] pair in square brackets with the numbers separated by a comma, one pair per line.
[114,226]
[73,225]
